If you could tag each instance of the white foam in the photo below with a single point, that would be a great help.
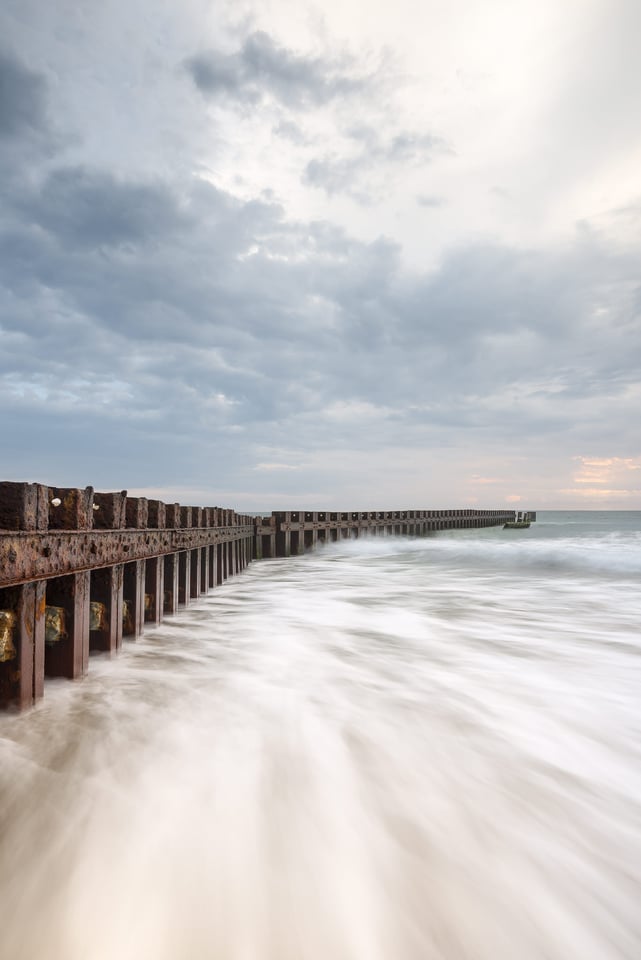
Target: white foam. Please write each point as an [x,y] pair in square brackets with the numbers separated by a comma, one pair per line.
[387,750]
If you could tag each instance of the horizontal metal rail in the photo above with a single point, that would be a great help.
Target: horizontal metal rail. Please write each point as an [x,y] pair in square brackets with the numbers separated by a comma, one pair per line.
[27,556]
[450,519]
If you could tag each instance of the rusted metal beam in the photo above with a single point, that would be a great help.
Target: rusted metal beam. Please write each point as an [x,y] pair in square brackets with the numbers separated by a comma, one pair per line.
[28,556]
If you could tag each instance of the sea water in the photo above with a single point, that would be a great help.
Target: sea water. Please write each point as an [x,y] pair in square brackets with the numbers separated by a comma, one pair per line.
[389,749]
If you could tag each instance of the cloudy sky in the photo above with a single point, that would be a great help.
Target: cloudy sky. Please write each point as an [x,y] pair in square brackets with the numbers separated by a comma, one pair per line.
[354,254]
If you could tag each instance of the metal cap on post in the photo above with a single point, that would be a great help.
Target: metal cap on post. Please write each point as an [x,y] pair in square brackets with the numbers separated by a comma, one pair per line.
[109,510]
[137,512]
[70,508]
[172,516]
[24,506]
[156,515]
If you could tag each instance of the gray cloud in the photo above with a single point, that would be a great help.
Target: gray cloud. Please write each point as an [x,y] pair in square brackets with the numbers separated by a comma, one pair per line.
[291,131]
[190,344]
[335,175]
[92,208]
[359,175]
[404,146]
[252,325]
[261,66]
[22,98]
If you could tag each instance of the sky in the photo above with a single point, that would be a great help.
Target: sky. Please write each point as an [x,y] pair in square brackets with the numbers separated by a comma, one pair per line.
[349,255]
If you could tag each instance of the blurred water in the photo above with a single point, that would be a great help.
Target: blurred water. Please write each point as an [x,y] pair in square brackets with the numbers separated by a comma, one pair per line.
[386,750]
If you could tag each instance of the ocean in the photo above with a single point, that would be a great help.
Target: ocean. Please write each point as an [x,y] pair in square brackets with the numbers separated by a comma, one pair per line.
[389,749]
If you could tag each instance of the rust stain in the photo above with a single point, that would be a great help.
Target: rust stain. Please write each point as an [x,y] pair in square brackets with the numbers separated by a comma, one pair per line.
[98,616]
[8,621]
[55,625]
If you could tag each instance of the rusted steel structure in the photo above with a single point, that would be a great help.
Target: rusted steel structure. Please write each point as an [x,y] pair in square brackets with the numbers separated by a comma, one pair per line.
[80,570]
[284,534]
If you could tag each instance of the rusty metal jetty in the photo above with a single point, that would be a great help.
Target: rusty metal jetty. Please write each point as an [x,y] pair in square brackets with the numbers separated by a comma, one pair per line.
[81,570]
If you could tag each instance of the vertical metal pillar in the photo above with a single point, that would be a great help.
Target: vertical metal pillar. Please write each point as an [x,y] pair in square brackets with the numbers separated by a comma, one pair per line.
[154,589]
[81,611]
[171,582]
[68,655]
[136,517]
[30,664]
[107,588]
[184,577]
[204,569]
[134,598]
[195,564]
[25,506]
[115,606]
[211,560]
[213,566]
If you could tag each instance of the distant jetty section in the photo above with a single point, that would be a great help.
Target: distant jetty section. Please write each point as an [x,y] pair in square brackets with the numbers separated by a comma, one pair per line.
[80,570]
[285,533]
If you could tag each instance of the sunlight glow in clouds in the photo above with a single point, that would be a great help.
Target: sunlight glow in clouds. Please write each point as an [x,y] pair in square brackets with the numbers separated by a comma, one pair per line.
[606,472]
